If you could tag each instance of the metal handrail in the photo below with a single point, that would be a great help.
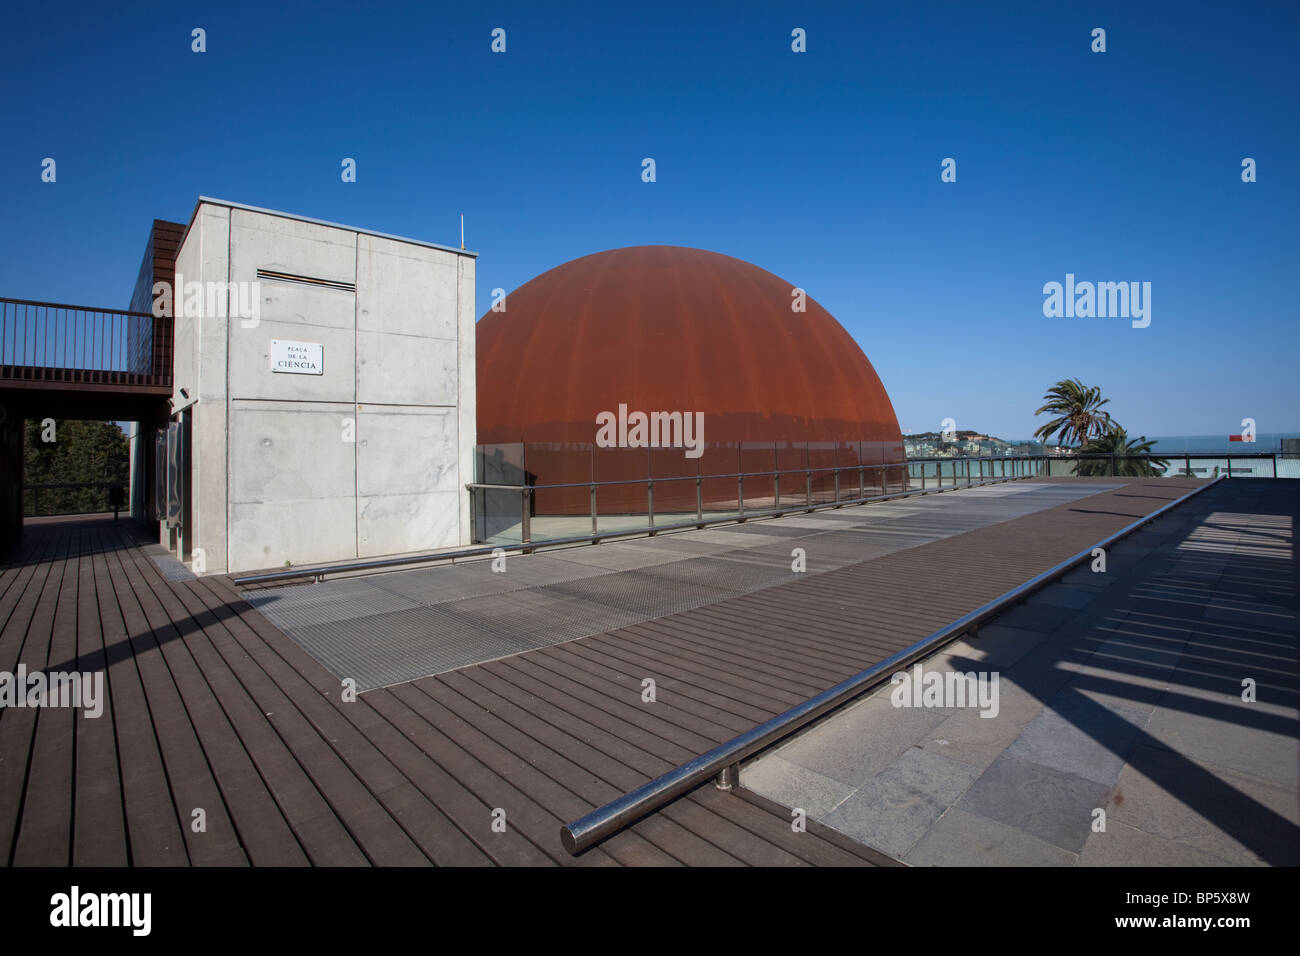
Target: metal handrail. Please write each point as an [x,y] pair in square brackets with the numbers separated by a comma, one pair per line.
[725,758]
[49,341]
[77,308]
[810,469]
[319,571]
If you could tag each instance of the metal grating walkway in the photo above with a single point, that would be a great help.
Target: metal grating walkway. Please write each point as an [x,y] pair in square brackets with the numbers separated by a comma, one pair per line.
[390,628]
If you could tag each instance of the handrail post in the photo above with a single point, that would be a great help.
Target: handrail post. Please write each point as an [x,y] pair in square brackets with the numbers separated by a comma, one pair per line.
[776,489]
[525,524]
[837,487]
[862,482]
[473,516]
[740,494]
[594,529]
[650,504]
[808,485]
[699,500]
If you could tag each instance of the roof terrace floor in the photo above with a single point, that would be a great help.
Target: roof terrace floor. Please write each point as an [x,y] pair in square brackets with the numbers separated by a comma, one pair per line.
[211,707]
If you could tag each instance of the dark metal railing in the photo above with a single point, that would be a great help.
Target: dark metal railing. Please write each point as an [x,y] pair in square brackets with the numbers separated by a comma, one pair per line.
[848,487]
[318,572]
[50,342]
[723,761]
[812,488]
[102,497]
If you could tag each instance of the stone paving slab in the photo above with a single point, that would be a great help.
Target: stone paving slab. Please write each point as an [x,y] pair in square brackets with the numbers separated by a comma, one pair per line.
[1119,693]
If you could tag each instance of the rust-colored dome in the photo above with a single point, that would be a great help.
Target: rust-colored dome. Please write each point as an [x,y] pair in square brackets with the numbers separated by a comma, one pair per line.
[675,329]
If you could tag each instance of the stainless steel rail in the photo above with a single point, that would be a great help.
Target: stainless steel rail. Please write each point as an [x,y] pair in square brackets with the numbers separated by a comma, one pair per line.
[319,572]
[723,761]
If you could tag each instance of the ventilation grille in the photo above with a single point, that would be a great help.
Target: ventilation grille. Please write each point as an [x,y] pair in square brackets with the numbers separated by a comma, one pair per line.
[307,280]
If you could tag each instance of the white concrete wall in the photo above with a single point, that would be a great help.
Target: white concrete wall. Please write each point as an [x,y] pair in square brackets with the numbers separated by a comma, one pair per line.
[369,458]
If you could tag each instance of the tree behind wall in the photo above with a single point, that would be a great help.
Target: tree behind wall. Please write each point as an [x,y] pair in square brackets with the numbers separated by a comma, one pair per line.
[82,452]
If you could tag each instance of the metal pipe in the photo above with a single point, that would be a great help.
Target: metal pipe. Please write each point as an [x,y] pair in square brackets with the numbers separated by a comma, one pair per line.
[617,814]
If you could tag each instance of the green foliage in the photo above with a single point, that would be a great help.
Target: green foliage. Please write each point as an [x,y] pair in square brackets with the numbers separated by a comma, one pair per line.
[81,452]
[1127,465]
[1078,411]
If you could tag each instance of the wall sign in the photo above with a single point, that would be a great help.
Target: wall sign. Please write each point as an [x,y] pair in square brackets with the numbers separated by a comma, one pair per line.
[299,358]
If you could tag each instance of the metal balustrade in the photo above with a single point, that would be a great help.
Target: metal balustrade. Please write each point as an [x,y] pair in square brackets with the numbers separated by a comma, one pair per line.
[68,344]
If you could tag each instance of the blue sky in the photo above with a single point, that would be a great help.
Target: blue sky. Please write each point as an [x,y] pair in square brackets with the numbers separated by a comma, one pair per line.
[822,167]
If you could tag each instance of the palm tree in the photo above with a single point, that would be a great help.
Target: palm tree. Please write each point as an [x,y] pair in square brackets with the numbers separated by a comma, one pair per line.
[1131,457]
[1079,416]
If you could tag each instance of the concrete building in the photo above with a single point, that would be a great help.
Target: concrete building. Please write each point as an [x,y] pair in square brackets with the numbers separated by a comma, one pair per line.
[323,403]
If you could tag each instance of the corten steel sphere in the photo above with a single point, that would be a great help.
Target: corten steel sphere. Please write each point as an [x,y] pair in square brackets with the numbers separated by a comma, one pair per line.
[667,328]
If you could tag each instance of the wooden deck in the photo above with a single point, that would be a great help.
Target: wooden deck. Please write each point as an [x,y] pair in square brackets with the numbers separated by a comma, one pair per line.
[211,708]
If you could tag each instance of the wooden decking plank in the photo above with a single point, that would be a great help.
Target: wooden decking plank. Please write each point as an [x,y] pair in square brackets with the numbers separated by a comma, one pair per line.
[463,798]
[153,831]
[551,782]
[563,713]
[378,836]
[473,760]
[682,641]
[570,786]
[638,647]
[19,724]
[99,821]
[562,710]
[256,791]
[679,707]
[526,717]
[422,819]
[786,656]
[46,830]
[648,732]
[188,772]
[245,816]
[18,607]
[694,700]
[808,654]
